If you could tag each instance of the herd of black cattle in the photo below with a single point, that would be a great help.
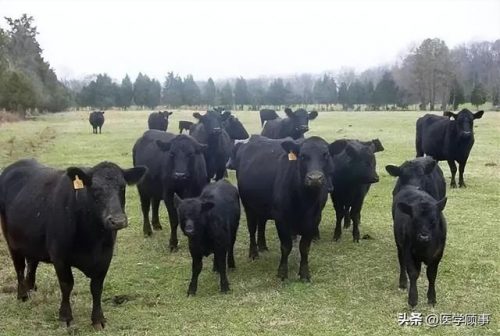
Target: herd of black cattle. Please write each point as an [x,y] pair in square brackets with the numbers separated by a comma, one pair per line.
[70,217]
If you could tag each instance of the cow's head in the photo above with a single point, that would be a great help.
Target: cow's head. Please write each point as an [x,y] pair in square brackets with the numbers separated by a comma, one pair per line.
[105,191]
[212,121]
[425,218]
[314,161]
[233,126]
[465,121]
[355,160]
[300,119]
[182,152]
[412,172]
[191,213]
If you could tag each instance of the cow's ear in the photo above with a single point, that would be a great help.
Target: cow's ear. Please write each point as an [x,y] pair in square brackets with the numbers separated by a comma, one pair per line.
[164,145]
[405,208]
[290,147]
[312,115]
[197,115]
[169,113]
[478,114]
[207,205]
[442,203]
[102,112]
[351,151]
[377,146]
[429,166]
[200,148]
[177,200]
[134,175]
[450,114]
[337,147]
[393,170]
[75,173]
[289,112]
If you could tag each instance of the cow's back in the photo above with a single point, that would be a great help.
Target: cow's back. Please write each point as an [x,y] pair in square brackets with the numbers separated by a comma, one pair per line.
[432,131]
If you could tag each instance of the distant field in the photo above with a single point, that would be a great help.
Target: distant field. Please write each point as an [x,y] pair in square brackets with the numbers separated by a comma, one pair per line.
[354,286]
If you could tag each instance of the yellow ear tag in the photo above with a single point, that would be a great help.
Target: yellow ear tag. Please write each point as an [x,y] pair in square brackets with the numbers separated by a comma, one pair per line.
[292,156]
[77,183]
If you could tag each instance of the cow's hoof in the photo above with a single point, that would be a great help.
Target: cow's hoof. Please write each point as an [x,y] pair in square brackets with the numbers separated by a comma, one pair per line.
[462,185]
[65,324]
[224,289]
[347,225]
[263,248]
[157,227]
[402,285]
[453,185]
[98,326]
[253,254]
[174,249]
[191,292]
[148,234]
[336,237]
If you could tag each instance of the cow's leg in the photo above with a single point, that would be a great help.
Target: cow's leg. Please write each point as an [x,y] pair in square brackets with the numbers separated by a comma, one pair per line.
[286,248]
[97,317]
[339,215]
[413,270]
[261,235]
[20,265]
[196,269]
[304,246]
[172,217]
[155,206]
[453,169]
[461,169]
[220,257]
[65,277]
[356,220]
[432,269]
[403,280]
[347,217]
[145,203]
[253,252]
[31,275]
[230,256]
[100,127]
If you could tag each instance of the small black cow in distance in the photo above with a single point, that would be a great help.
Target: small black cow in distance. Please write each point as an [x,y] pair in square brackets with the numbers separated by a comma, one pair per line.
[233,126]
[294,125]
[209,131]
[211,222]
[175,165]
[67,218]
[448,138]
[422,172]
[185,126]
[159,120]
[353,173]
[420,234]
[96,119]
[267,114]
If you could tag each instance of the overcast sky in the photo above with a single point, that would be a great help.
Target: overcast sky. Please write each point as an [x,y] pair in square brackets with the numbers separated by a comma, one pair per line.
[248,38]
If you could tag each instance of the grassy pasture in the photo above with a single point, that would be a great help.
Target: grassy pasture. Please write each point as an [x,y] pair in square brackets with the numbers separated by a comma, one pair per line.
[354,286]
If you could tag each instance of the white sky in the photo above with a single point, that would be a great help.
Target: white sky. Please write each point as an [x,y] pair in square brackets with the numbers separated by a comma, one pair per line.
[249,38]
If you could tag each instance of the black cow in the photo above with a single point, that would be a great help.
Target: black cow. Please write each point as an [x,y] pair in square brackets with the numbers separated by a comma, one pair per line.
[267,114]
[446,139]
[422,172]
[294,125]
[67,218]
[286,181]
[233,127]
[176,165]
[353,173]
[420,234]
[185,125]
[211,222]
[96,119]
[209,131]
[159,120]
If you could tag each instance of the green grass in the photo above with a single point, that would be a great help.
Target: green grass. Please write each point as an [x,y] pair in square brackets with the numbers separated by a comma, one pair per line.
[354,286]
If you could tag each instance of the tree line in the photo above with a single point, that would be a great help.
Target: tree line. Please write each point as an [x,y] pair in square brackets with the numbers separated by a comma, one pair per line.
[430,76]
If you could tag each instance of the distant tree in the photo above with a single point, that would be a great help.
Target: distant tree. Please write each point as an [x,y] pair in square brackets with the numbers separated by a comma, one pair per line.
[369,91]
[125,93]
[17,92]
[343,97]
[191,94]
[172,94]
[478,95]
[209,92]
[154,94]
[226,96]
[356,93]
[141,89]
[457,96]
[241,94]
[277,93]
[325,90]
[386,91]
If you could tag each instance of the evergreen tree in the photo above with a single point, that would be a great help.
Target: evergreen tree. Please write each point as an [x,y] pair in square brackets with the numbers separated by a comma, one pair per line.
[478,95]
[154,94]
[343,97]
[277,93]
[241,94]
[141,89]
[191,94]
[126,93]
[457,96]
[386,91]
[209,92]
[173,90]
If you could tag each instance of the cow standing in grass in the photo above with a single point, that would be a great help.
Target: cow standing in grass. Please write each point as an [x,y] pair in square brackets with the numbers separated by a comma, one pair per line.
[449,138]
[68,218]
[295,125]
[159,120]
[96,119]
